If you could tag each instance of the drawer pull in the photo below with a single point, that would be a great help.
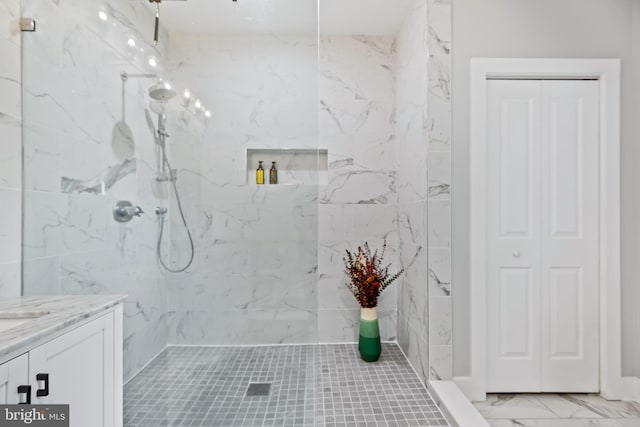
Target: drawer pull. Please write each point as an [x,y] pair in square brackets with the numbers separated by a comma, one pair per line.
[26,390]
[44,391]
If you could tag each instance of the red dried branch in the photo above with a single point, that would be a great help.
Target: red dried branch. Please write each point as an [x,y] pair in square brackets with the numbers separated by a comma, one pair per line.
[367,277]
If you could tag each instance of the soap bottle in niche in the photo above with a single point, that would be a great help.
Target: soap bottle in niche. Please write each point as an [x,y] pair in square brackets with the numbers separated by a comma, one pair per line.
[273,174]
[260,173]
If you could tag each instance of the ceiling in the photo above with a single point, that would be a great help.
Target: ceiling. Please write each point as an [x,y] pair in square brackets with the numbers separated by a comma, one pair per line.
[373,17]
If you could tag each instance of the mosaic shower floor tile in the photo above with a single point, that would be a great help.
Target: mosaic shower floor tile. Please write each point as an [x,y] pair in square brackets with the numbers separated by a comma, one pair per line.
[310,385]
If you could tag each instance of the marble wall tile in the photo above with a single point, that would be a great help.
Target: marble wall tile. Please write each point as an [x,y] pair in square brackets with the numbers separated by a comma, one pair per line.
[440,78]
[10,283]
[440,362]
[10,148]
[10,151]
[10,78]
[415,347]
[265,87]
[255,272]
[42,153]
[439,272]
[439,212]
[439,173]
[439,125]
[414,221]
[10,226]
[57,224]
[41,276]
[440,321]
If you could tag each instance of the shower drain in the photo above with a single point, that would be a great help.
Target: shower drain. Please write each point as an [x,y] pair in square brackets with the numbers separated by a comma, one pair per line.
[258,389]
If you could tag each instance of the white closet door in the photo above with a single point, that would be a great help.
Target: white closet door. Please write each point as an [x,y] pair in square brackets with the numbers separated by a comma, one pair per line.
[569,286]
[542,236]
[513,236]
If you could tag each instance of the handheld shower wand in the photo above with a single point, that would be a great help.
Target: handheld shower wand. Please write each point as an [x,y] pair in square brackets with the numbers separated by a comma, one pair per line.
[161,93]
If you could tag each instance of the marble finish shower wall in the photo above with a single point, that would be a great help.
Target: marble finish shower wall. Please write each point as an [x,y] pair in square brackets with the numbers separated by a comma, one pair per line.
[439,194]
[74,172]
[358,204]
[254,276]
[424,207]
[10,149]
[412,152]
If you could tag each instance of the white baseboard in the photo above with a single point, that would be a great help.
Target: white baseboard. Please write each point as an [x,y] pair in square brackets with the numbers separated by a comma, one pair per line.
[454,405]
[631,389]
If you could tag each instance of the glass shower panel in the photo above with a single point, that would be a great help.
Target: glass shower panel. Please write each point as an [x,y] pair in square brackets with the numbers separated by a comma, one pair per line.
[87,144]
[246,89]
[255,279]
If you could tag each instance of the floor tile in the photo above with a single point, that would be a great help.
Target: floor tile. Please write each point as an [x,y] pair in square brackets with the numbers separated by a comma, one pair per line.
[584,422]
[311,385]
[557,410]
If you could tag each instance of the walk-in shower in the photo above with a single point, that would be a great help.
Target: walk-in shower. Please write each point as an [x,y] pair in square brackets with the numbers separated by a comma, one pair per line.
[338,105]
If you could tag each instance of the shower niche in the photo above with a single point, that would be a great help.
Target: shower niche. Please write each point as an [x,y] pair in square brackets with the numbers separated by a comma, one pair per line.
[296,166]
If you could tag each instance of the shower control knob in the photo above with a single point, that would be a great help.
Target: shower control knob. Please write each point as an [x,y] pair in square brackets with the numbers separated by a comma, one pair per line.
[516,254]
[124,211]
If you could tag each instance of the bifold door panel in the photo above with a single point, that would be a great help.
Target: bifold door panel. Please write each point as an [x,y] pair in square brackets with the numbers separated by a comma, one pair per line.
[542,236]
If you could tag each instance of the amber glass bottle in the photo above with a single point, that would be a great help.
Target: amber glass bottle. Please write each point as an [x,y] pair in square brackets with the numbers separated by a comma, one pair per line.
[260,173]
[273,174]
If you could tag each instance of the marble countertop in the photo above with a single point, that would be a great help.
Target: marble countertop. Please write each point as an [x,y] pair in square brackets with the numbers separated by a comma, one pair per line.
[26,322]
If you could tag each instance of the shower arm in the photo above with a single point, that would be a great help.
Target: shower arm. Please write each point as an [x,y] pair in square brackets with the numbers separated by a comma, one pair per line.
[126,76]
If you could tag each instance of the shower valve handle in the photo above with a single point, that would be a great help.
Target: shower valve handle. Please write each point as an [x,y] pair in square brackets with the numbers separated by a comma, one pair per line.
[124,211]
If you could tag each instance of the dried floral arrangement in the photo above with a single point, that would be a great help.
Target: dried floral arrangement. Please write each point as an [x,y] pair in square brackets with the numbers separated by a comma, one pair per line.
[368,277]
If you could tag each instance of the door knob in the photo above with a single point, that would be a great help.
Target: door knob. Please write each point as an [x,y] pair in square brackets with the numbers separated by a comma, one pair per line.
[516,254]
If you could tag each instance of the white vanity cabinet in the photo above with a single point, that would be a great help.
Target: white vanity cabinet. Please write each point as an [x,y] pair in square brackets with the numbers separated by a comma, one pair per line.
[13,374]
[81,366]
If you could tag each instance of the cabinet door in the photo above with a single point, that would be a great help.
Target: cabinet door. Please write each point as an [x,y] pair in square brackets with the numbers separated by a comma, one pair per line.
[13,373]
[79,365]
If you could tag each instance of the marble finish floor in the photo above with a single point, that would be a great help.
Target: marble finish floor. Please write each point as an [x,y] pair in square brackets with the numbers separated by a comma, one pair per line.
[557,410]
[310,385]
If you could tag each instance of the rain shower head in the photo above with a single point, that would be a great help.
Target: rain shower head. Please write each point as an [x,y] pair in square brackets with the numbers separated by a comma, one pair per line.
[161,92]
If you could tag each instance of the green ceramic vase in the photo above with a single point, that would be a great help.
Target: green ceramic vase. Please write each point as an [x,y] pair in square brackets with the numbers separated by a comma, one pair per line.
[369,342]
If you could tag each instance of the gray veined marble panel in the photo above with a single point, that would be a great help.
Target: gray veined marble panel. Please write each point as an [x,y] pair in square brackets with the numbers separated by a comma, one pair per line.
[10,76]
[350,185]
[585,422]
[439,223]
[439,126]
[557,410]
[10,226]
[439,272]
[10,280]
[439,28]
[41,276]
[10,152]
[439,181]
[439,173]
[59,224]
[440,362]
[99,184]
[440,321]
[42,153]
[440,77]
